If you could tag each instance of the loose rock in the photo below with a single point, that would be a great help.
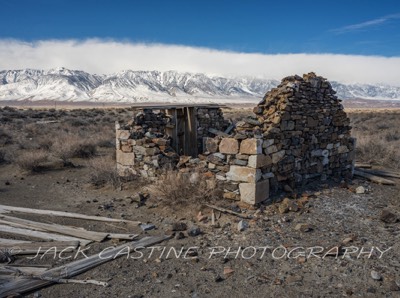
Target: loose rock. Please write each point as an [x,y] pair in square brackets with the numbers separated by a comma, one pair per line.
[375,275]
[242,225]
[194,231]
[388,217]
[360,190]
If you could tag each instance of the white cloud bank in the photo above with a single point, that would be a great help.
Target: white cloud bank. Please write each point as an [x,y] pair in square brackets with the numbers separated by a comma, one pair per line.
[107,56]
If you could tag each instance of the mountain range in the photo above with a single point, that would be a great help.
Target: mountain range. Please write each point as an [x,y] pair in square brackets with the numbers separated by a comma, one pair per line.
[62,84]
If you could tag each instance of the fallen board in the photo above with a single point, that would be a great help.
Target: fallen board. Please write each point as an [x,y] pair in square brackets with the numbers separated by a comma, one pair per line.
[40,247]
[122,236]
[6,209]
[223,210]
[42,235]
[23,285]
[363,165]
[381,173]
[26,270]
[4,241]
[60,229]
[373,178]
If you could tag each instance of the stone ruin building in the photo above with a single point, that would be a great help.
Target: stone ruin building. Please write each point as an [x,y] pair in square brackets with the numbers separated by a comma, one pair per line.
[299,132]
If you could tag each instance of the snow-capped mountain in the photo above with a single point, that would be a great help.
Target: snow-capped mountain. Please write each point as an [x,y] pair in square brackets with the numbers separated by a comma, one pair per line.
[153,86]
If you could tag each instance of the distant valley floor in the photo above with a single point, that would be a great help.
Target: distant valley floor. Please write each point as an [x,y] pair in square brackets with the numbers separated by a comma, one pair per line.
[358,103]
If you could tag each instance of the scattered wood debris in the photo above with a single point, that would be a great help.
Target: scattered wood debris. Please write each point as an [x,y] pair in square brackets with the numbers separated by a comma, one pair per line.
[23,284]
[7,209]
[363,165]
[373,178]
[19,280]
[223,210]
[383,173]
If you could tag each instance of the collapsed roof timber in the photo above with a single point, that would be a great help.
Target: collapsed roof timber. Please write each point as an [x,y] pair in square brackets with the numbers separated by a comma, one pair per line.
[299,132]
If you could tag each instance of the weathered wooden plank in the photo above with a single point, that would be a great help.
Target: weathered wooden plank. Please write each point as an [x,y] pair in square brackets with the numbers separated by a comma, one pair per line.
[122,236]
[41,235]
[362,165]
[40,247]
[374,178]
[26,270]
[230,128]
[60,229]
[223,210]
[24,284]
[382,173]
[6,209]
[4,241]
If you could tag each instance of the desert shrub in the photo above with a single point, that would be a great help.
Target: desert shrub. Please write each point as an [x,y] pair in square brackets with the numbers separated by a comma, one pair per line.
[85,150]
[78,122]
[107,119]
[31,160]
[103,171]
[378,137]
[392,136]
[62,148]
[5,137]
[45,141]
[378,151]
[67,145]
[174,187]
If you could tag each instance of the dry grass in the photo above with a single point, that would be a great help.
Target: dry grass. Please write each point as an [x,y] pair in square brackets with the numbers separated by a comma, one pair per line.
[103,171]
[378,137]
[174,189]
[32,160]
[79,133]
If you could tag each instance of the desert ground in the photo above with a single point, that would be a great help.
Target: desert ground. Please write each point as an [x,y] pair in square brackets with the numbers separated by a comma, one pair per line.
[327,240]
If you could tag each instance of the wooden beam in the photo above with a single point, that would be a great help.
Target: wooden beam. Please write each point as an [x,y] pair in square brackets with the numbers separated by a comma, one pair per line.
[24,284]
[373,178]
[6,209]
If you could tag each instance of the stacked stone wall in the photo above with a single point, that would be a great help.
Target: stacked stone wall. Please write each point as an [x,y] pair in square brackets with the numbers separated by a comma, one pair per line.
[299,133]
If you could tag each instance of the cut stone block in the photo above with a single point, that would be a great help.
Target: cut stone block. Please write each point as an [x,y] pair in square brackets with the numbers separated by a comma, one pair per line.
[229,146]
[244,174]
[125,158]
[251,146]
[259,161]
[254,193]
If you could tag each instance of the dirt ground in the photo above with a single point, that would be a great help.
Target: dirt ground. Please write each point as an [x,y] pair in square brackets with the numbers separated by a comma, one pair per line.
[329,245]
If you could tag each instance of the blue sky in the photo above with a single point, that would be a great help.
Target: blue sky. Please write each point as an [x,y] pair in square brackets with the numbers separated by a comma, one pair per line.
[217,37]
[246,26]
